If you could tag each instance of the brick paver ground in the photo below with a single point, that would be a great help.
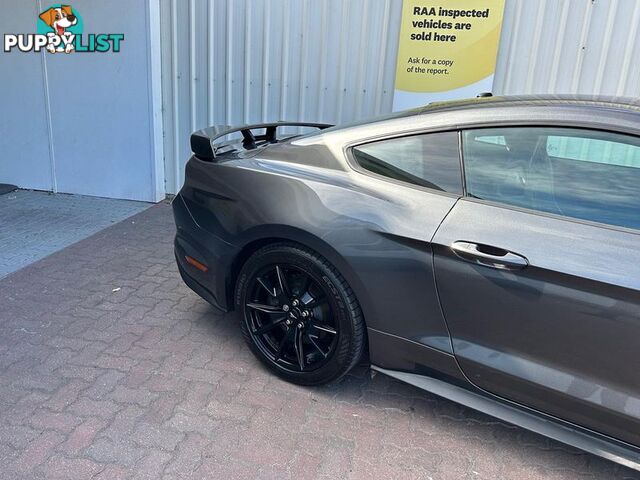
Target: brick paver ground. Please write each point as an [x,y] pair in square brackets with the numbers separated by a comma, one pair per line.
[111,368]
[36,224]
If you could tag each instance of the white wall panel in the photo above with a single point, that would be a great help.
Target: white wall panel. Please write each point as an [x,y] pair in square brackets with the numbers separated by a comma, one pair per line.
[80,123]
[243,61]
[101,122]
[26,149]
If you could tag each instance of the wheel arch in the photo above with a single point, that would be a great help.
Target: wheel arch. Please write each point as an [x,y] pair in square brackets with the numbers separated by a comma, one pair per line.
[260,237]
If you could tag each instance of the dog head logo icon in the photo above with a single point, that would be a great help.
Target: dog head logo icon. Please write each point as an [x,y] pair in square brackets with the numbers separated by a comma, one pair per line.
[59,18]
[60,21]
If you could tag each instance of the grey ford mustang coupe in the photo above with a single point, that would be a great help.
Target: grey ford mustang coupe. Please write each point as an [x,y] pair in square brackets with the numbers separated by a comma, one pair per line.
[485,250]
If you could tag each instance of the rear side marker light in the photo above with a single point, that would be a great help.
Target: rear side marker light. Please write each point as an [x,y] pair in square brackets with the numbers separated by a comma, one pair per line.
[200,266]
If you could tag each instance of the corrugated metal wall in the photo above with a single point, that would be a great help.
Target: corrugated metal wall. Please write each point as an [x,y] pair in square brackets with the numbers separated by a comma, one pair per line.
[242,61]
[570,46]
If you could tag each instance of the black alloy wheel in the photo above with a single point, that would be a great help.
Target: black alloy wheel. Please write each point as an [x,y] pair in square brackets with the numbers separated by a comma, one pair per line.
[299,315]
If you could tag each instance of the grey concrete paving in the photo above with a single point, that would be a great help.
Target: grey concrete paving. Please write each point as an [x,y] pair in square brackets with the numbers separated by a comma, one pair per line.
[36,224]
[111,368]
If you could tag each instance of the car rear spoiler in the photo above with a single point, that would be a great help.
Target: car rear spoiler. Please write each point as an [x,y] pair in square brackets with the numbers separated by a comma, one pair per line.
[202,141]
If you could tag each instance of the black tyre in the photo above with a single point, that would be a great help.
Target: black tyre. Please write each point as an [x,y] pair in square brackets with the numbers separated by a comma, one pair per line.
[299,315]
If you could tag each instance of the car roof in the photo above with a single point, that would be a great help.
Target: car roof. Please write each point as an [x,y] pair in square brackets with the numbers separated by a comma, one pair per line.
[591,111]
[547,100]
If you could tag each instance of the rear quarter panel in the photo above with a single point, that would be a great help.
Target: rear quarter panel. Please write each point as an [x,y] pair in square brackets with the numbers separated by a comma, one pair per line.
[375,232]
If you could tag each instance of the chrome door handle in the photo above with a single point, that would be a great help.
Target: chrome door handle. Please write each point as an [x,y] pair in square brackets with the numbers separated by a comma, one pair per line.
[489,256]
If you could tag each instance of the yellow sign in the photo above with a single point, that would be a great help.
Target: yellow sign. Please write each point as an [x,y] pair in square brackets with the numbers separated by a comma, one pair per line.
[446,45]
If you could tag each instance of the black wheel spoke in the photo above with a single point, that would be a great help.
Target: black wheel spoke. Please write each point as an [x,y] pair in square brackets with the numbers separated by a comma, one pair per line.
[289,317]
[271,292]
[283,343]
[269,326]
[313,342]
[324,328]
[261,307]
[282,281]
[298,345]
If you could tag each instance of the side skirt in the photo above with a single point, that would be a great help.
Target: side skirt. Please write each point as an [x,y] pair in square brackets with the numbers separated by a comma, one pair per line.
[548,426]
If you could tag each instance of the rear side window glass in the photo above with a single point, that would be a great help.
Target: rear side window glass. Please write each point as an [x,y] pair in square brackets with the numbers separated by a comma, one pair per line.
[586,174]
[430,160]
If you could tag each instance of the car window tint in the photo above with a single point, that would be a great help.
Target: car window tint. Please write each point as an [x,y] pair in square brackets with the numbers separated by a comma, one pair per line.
[593,150]
[586,174]
[430,160]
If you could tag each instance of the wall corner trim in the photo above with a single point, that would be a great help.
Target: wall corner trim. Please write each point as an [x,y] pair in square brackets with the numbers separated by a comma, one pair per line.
[155,101]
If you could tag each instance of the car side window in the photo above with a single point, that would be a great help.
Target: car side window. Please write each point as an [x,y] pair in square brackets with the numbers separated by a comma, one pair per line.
[586,174]
[430,160]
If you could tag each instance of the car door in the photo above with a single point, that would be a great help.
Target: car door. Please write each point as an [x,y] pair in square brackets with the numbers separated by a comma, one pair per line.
[538,272]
